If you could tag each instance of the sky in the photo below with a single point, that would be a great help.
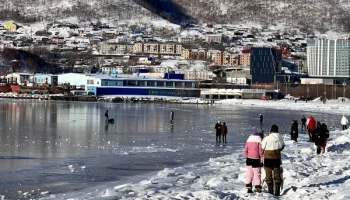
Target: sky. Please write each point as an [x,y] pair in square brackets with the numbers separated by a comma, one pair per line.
[306,175]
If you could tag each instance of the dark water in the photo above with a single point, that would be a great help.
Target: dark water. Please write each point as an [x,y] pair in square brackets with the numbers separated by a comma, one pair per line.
[67,146]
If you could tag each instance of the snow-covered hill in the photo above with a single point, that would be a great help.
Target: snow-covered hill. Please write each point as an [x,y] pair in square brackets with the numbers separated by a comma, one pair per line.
[307,15]
[51,10]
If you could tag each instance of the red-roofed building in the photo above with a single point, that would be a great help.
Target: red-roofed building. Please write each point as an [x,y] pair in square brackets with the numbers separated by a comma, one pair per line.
[244,58]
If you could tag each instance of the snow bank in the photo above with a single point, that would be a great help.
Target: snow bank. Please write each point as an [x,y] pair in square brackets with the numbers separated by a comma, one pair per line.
[331,106]
[306,176]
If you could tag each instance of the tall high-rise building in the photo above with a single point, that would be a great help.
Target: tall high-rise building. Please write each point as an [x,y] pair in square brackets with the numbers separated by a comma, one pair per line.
[264,63]
[328,58]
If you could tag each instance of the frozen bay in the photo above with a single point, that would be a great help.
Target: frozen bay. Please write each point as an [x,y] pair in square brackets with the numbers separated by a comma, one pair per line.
[62,147]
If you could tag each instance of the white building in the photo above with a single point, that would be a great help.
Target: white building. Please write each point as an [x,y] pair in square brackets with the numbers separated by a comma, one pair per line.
[144,61]
[217,38]
[314,81]
[198,75]
[328,57]
[74,79]
[19,78]
[107,69]
[186,39]
[238,81]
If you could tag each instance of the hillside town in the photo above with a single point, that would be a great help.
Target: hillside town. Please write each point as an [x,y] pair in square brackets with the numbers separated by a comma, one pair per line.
[213,56]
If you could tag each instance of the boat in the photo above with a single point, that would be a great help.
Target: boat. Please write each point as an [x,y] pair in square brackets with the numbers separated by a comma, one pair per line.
[38,89]
[5,88]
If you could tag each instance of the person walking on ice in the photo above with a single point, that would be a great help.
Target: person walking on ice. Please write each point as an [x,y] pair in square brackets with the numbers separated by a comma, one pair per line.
[223,132]
[272,146]
[254,155]
[171,117]
[344,122]
[294,130]
[218,131]
[303,123]
[261,120]
[106,115]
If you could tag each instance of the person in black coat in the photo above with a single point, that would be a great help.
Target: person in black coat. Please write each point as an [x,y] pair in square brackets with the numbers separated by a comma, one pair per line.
[303,123]
[218,131]
[261,118]
[294,130]
[321,137]
[106,115]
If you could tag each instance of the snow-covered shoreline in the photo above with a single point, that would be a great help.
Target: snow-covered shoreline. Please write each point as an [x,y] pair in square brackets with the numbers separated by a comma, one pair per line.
[306,175]
[335,106]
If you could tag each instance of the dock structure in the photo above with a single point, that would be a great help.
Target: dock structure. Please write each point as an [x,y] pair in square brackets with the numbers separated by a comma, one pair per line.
[49,97]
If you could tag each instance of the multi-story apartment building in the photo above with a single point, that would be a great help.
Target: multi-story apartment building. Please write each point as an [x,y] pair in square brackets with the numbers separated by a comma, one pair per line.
[155,48]
[123,48]
[233,60]
[150,48]
[115,48]
[110,69]
[194,54]
[185,54]
[328,57]
[215,56]
[198,75]
[138,48]
[186,39]
[202,54]
[226,58]
[166,48]
[244,58]
[107,48]
[264,63]
[217,38]
[178,49]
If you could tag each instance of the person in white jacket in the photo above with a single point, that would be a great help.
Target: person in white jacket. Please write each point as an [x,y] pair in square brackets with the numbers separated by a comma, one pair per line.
[272,146]
[344,122]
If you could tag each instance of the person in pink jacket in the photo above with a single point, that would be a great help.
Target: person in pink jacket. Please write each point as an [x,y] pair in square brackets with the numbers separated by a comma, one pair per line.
[254,157]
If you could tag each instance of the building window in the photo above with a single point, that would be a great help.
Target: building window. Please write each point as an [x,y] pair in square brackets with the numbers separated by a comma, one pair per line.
[178,84]
[141,83]
[131,83]
[160,84]
[106,83]
[188,85]
[151,83]
[169,84]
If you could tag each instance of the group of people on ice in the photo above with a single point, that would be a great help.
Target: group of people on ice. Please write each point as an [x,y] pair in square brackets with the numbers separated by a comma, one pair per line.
[266,151]
[221,132]
[318,133]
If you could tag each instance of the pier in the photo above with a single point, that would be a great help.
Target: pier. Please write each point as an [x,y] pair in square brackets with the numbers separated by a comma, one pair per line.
[49,97]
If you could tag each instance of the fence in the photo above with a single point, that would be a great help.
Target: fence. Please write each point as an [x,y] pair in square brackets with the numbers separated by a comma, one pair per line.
[314,91]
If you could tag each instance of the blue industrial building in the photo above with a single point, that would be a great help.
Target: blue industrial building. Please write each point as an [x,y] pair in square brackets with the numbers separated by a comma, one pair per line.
[119,85]
[42,79]
[264,64]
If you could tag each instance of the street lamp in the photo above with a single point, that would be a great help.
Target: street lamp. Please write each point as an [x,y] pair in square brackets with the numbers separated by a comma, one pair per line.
[344,84]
